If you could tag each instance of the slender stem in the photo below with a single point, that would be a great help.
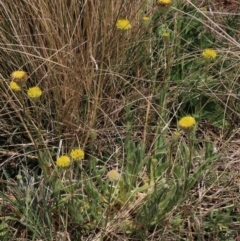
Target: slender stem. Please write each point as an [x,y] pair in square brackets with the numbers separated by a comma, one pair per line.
[108,211]
[189,164]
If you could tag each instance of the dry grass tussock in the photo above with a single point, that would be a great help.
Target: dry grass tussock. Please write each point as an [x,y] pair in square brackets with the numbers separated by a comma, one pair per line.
[74,52]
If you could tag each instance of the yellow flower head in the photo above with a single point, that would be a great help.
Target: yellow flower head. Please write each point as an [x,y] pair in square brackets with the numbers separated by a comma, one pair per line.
[34,92]
[175,136]
[145,18]
[14,86]
[203,9]
[209,54]
[113,175]
[19,76]
[145,21]
[187,123]
[154,161]
[77,154]
[123,24]
[166,34]
[164,2]
[63,161]
[176,133]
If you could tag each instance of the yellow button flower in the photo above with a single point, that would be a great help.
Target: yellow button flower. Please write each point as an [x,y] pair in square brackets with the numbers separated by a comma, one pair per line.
[113,175]
[166,34]
[145,18]
[203,9]
[209,54]
[34,92]
[123,24]
[77,154]
[63,161]
[175,136]
[187,123]
[176,133]
[145,21]
[19,76]
[164,2]
[14,86]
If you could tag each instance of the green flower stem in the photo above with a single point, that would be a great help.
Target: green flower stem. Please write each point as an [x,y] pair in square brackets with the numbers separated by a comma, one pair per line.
[122,191]
[37,129]
[168,57]
[108,211]
[36,110]
[170,159]
[189,164]
[201,106]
